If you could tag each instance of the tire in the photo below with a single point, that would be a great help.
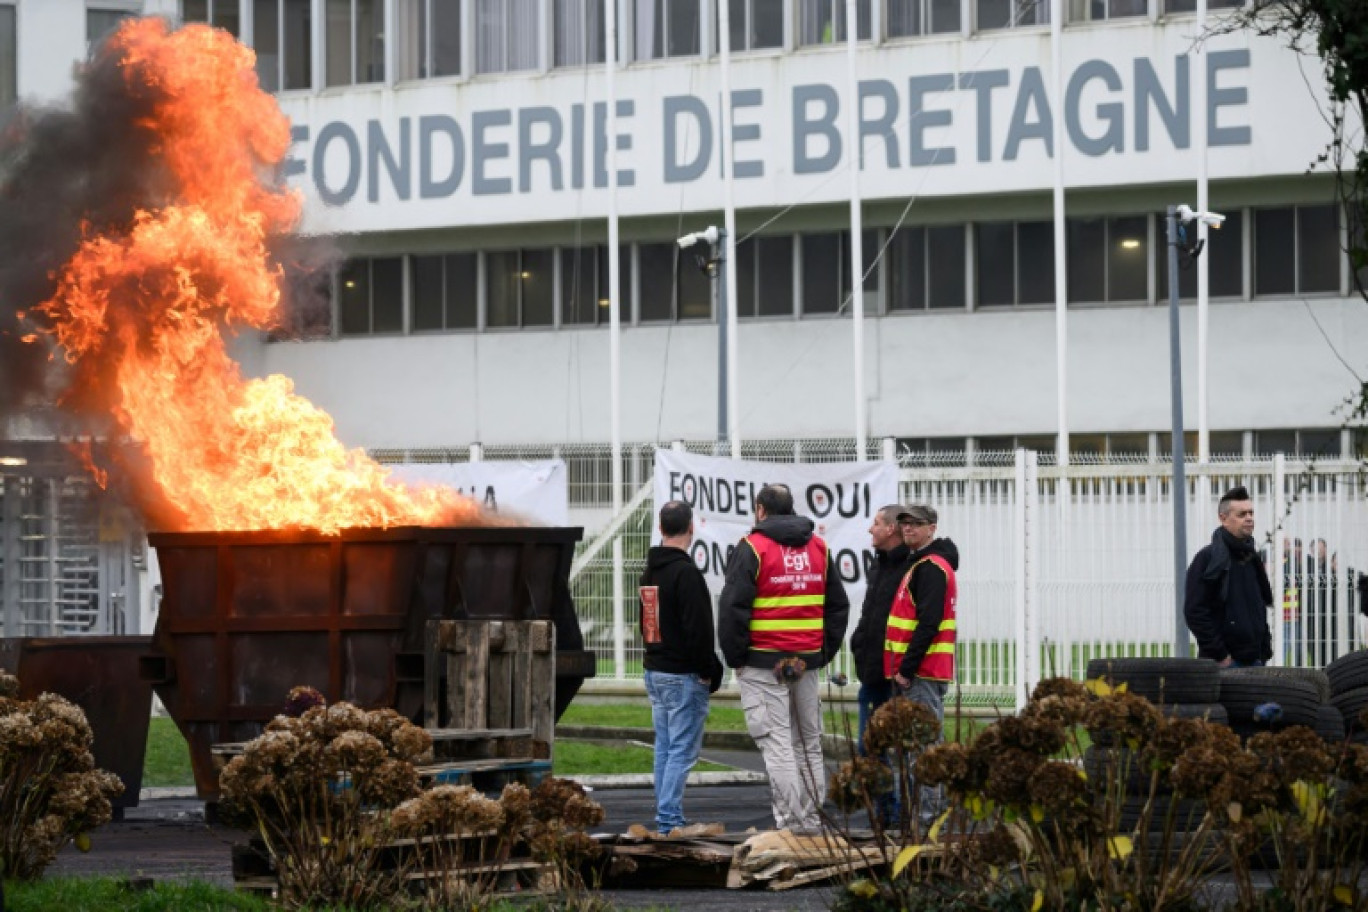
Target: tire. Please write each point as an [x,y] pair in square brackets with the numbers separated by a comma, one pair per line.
[1351,704]
[1188,813]
[1348,672]
[1242,693]
[1162,680]
[1101,763]
[1211,712]
[1313,676]
[1330,723]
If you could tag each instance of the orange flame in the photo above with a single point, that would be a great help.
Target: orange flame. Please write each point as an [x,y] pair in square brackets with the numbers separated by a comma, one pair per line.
[139,312]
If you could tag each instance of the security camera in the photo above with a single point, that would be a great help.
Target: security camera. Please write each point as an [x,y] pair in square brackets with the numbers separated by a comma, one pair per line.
[1210,219]
[708,235]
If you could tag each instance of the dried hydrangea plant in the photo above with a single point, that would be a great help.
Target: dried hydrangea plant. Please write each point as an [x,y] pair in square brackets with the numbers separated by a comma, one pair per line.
[50,791]
[318,787]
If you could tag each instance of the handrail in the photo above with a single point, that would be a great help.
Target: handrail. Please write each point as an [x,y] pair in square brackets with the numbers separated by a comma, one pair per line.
[612,529]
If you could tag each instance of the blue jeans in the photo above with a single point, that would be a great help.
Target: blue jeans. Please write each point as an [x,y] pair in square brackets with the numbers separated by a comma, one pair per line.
[932,695]
[679,706]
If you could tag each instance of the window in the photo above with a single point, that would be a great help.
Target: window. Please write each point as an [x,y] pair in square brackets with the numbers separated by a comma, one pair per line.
[429,38]
[584,284]
[672,287]
[756,24]
[218,13]
[9,53]
[284,47]
[579,32]
[371,296]
[926,268]
[1108,258]
[1296,250]
[354,49]
[666,28]
[507,35]
[1000,14]
[1190,6]
[1224,253]
[824,21]
[100,22]
[1014,263]
[446,291]
[519,288]
[1085,10]
[917,17]
[764,277]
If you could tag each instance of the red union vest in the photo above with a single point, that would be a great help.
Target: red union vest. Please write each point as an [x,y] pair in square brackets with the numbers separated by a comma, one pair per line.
[939,663]
[790,592]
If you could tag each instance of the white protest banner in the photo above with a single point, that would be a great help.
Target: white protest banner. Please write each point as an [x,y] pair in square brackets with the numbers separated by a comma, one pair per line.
[535,490]
[840,497]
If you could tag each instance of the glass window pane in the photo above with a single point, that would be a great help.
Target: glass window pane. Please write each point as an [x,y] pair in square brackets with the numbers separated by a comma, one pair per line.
[99,23]
[522,31]
[1322,443]
[746,275]
[1318,249]
[446,37]
[1087,258]
[1035,263]
[1121,8]
[776,275]
[370,41]
[993,264]
[1128,446]
[945,16]
[579,298]
[816,21]
[194,10]
[578,32]
[353,291]
[387,295]
[657,276]
[1128,259]
[822,293]
[994,14]
[1275,251]
[907,269]
[429,310]
[489,36]
[649,39]
[337,36]
[226,16]
[684,27]
[538,287]
[462,290]
[298,46]
[1227,443]
[501,288]
[412,51]
[767,23]
[1225,252]
[1267,443]
[266,43]
[9,54]
[904,18]
[945,260]
[695,286]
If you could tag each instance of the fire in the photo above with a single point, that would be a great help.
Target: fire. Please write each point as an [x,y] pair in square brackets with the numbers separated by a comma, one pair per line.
[139,312]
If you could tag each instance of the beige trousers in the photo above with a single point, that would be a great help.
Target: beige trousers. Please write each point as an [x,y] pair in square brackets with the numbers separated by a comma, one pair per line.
[786,723]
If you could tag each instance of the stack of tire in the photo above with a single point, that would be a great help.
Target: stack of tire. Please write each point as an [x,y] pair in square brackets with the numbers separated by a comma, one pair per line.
[1181,689]
[1272,699]
[1347,678]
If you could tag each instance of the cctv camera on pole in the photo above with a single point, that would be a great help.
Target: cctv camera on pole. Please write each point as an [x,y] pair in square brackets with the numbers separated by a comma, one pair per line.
[1178,218]
[714,265]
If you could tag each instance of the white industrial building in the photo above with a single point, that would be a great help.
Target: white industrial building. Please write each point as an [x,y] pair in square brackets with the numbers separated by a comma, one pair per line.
[459,151]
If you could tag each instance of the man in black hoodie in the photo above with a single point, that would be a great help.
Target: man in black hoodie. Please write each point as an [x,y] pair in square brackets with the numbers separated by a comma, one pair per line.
[1227,593]
[782,616]
[867,642]
[682,668]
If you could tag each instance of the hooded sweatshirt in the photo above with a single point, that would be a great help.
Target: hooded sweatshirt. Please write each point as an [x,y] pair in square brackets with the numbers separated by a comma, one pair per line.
[738,595]
[685,619]
[928,590]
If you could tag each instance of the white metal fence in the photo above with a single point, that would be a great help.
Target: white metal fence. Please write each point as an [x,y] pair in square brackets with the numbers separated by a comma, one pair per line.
[1063,564]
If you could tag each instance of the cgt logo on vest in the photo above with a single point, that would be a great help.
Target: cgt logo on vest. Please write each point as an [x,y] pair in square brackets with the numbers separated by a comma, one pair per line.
[796,561]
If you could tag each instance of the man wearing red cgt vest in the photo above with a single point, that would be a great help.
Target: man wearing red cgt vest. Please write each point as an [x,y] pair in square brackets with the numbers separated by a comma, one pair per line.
[782,615]
[919,647]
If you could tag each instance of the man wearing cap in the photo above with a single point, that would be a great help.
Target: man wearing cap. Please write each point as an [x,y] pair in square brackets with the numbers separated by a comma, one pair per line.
[919,648]
[782,615]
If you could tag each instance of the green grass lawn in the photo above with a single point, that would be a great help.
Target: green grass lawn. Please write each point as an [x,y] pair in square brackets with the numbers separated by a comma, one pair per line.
[167,762]
[88,894]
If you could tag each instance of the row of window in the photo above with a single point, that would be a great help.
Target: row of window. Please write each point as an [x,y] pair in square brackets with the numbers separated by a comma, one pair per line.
[438,38]
[977,266]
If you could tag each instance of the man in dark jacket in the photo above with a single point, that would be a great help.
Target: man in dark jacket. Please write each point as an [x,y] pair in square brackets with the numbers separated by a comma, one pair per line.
[867,642]
[782,616]
[682,668]
[1227,593]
